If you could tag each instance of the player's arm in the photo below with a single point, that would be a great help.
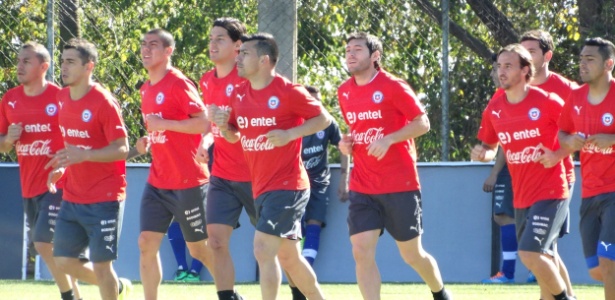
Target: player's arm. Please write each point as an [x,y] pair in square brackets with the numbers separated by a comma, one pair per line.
[342,191]
[8,140]
[196,124]
[221,118]
[484,152]
[573,142]
[500,162]
[140,148]
[417,127]
[280,137]
[116,150]
[202,154]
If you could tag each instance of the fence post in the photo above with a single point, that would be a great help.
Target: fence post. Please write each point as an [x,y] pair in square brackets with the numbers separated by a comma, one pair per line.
[445,94]
[50,39]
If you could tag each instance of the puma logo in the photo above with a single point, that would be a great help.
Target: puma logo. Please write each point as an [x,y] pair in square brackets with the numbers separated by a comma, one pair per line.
[493,112]
[498,204]
[539,240]
[61,104]
[272,224]
[414,228]
[241,97]
[199,230]
[205,85]
[346,95]
[109,248]
[12,104]
[119,127]
[606,247]
[578,109]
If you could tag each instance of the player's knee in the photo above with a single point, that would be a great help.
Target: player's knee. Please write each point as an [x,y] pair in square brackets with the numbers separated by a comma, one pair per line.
[217,244]
[363,252]
[63,264]
[146,244]
[596,274]
[607,268]
[529,259]
[262,253]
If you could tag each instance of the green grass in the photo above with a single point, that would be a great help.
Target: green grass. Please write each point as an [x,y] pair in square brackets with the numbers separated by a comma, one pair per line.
[46,290]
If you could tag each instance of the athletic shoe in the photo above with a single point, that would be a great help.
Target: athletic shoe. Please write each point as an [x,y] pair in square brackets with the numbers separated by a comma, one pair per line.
[180,275]
[531,278]
[192,277]
[498,278]
[127,287]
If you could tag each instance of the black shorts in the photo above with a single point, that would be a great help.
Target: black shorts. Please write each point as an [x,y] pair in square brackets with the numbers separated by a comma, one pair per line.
[317,206]
[597,228]
[503,195]
[187,206]
[41,214]
[226,198]
[400,214]
[96,226]
[279,213]
[538,226]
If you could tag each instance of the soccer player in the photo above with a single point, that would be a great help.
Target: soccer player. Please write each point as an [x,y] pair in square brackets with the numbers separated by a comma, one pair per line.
[177,184]
[269,115]
[314,154]
[29,122]
[384,116]
[586,125]
[230,188]
[524,121]
[93,160]
[540,45]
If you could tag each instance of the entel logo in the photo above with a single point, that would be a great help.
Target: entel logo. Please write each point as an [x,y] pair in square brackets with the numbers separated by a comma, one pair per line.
[506,137]
[37,128]
[364,115]
[244,122]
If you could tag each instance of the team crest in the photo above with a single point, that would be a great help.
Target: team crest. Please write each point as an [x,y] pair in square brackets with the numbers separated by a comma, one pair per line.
[534,114]
[229,89]
[607,119]
[86,115]
[377,97]
[320,134]
[159,98]
[51,109]
[273,102]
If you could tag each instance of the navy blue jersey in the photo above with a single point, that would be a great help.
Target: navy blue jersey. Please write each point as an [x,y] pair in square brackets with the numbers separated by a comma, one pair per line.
[314,153]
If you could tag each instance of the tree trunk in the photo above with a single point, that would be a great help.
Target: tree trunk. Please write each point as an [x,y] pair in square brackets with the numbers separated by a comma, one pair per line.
[502,29]
[597,18]
[69,21]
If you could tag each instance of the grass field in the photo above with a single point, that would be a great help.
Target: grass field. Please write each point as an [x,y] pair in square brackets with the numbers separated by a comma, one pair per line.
[46,290]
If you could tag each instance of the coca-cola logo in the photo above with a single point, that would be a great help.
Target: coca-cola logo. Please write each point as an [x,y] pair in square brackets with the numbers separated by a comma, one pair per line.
[527,155]
[593,149]
[157,137]
[37,148]
[369,136]
[260,143]
[312,162]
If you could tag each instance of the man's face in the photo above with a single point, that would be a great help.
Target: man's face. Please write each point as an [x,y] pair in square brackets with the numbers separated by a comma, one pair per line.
[221,46]
[510,72]
[494,74]
[591,65]
[73,68]
[539,59]
[358,59]
[29,67]
[248,61]
[153,52]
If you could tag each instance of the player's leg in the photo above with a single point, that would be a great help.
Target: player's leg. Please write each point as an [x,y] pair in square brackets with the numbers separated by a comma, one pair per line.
[155,218]
[299,269]
[606,251]
[178,245]
[539,227]
[315,215]
[107,280]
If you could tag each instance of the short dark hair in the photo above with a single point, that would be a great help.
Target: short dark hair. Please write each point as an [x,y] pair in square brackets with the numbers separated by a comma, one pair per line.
[544,39]
[605,47]
[494,57]
[265,45]
[372,42]
[234,27]
[87,51]
[165,36]
[525,58]
[41,52]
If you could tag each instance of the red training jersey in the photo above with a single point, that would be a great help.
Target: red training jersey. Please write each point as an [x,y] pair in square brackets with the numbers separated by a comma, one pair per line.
[92,122]
[520,128]
[561,86]
[174,164]
[229,162]
[280,105]
[372,111]
[586,119]
[40,138]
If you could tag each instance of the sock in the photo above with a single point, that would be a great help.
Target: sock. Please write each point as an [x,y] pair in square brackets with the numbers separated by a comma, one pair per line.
[561,296]
[441,295]
[178,244]
[196,266]
[297,294]
[228,295]
[68,295]
[312,241]
[509,250]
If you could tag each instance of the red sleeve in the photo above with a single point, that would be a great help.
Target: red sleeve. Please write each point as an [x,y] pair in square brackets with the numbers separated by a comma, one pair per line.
[406,100]
[486,132]
[187,97]
[304,105]
[111,120]
[339,102]
[4,121]
[565,119]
